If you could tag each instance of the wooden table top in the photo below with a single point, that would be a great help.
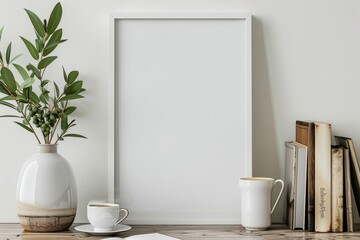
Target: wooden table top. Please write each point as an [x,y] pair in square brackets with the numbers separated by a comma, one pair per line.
[185,232]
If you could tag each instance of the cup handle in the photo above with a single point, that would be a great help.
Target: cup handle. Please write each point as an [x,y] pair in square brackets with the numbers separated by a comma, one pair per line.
[125,216]
[280,193]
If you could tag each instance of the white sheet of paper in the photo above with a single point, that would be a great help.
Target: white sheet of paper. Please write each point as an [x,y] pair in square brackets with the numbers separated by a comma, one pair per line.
[150,236]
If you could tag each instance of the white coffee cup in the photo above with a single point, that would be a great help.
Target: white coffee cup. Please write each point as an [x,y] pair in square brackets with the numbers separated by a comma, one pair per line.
[105,216]
[256,201]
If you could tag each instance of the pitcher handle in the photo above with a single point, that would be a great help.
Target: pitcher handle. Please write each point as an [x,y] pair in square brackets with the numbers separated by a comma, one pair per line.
[280,193]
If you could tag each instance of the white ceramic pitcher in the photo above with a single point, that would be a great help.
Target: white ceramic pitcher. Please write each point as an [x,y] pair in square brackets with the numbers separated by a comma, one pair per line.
[256,201]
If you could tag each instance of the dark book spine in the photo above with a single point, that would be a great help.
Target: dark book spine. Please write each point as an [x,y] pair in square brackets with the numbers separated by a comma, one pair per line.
[305,134]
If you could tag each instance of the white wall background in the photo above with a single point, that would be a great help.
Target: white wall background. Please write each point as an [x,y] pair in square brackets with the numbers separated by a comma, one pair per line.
[306,57]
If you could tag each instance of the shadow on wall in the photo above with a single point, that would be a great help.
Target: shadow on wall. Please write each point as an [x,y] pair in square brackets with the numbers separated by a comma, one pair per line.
[265,156]
[264,144]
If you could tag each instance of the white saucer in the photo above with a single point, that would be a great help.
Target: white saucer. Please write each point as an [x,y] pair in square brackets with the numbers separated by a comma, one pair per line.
[89,229]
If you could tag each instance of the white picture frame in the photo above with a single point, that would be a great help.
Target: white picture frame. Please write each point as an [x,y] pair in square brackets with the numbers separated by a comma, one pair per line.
[125,30]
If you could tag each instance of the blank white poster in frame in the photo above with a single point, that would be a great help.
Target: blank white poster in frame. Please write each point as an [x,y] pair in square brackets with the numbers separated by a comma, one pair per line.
[179,115]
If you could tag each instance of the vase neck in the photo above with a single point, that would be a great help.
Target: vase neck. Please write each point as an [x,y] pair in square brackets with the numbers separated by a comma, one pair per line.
[47,148]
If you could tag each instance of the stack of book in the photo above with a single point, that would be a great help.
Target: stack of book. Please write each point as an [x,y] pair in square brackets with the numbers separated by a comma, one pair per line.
[320,178]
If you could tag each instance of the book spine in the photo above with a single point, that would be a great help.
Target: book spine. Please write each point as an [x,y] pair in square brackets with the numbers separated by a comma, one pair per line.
[290,176]
[301,185]
[337,189]
[349,179]
[355,173]
[322,177]
[305,134]
[347,196]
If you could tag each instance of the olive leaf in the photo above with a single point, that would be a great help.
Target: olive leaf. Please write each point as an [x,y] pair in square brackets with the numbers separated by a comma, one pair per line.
[57,91]
[35,71]
[64,122]
[9,116]
[46,62]
[72,76]
[70,97]
[74,135]
[39,45]
[24,126]
[1,31]
[54,19]
[14,58]
[27,83]
[69,110]
[31,48]
[74,88]
[8,53]
[65,75]
[9,79]
[8,104]
[36,22]
[3,89]
[22,71]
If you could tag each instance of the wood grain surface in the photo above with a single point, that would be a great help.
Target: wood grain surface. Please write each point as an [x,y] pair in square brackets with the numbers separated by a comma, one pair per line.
[185,232]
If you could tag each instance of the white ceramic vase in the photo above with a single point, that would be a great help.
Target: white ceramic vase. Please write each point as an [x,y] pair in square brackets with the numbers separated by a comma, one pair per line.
[46,193]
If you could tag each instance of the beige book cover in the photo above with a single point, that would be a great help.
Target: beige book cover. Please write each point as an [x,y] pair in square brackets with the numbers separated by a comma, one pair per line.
[351,177]
[348,215]
[295,177]
[337,189]
[322,177]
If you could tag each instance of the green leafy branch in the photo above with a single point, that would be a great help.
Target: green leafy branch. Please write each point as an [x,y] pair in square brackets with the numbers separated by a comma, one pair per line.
[40,112]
